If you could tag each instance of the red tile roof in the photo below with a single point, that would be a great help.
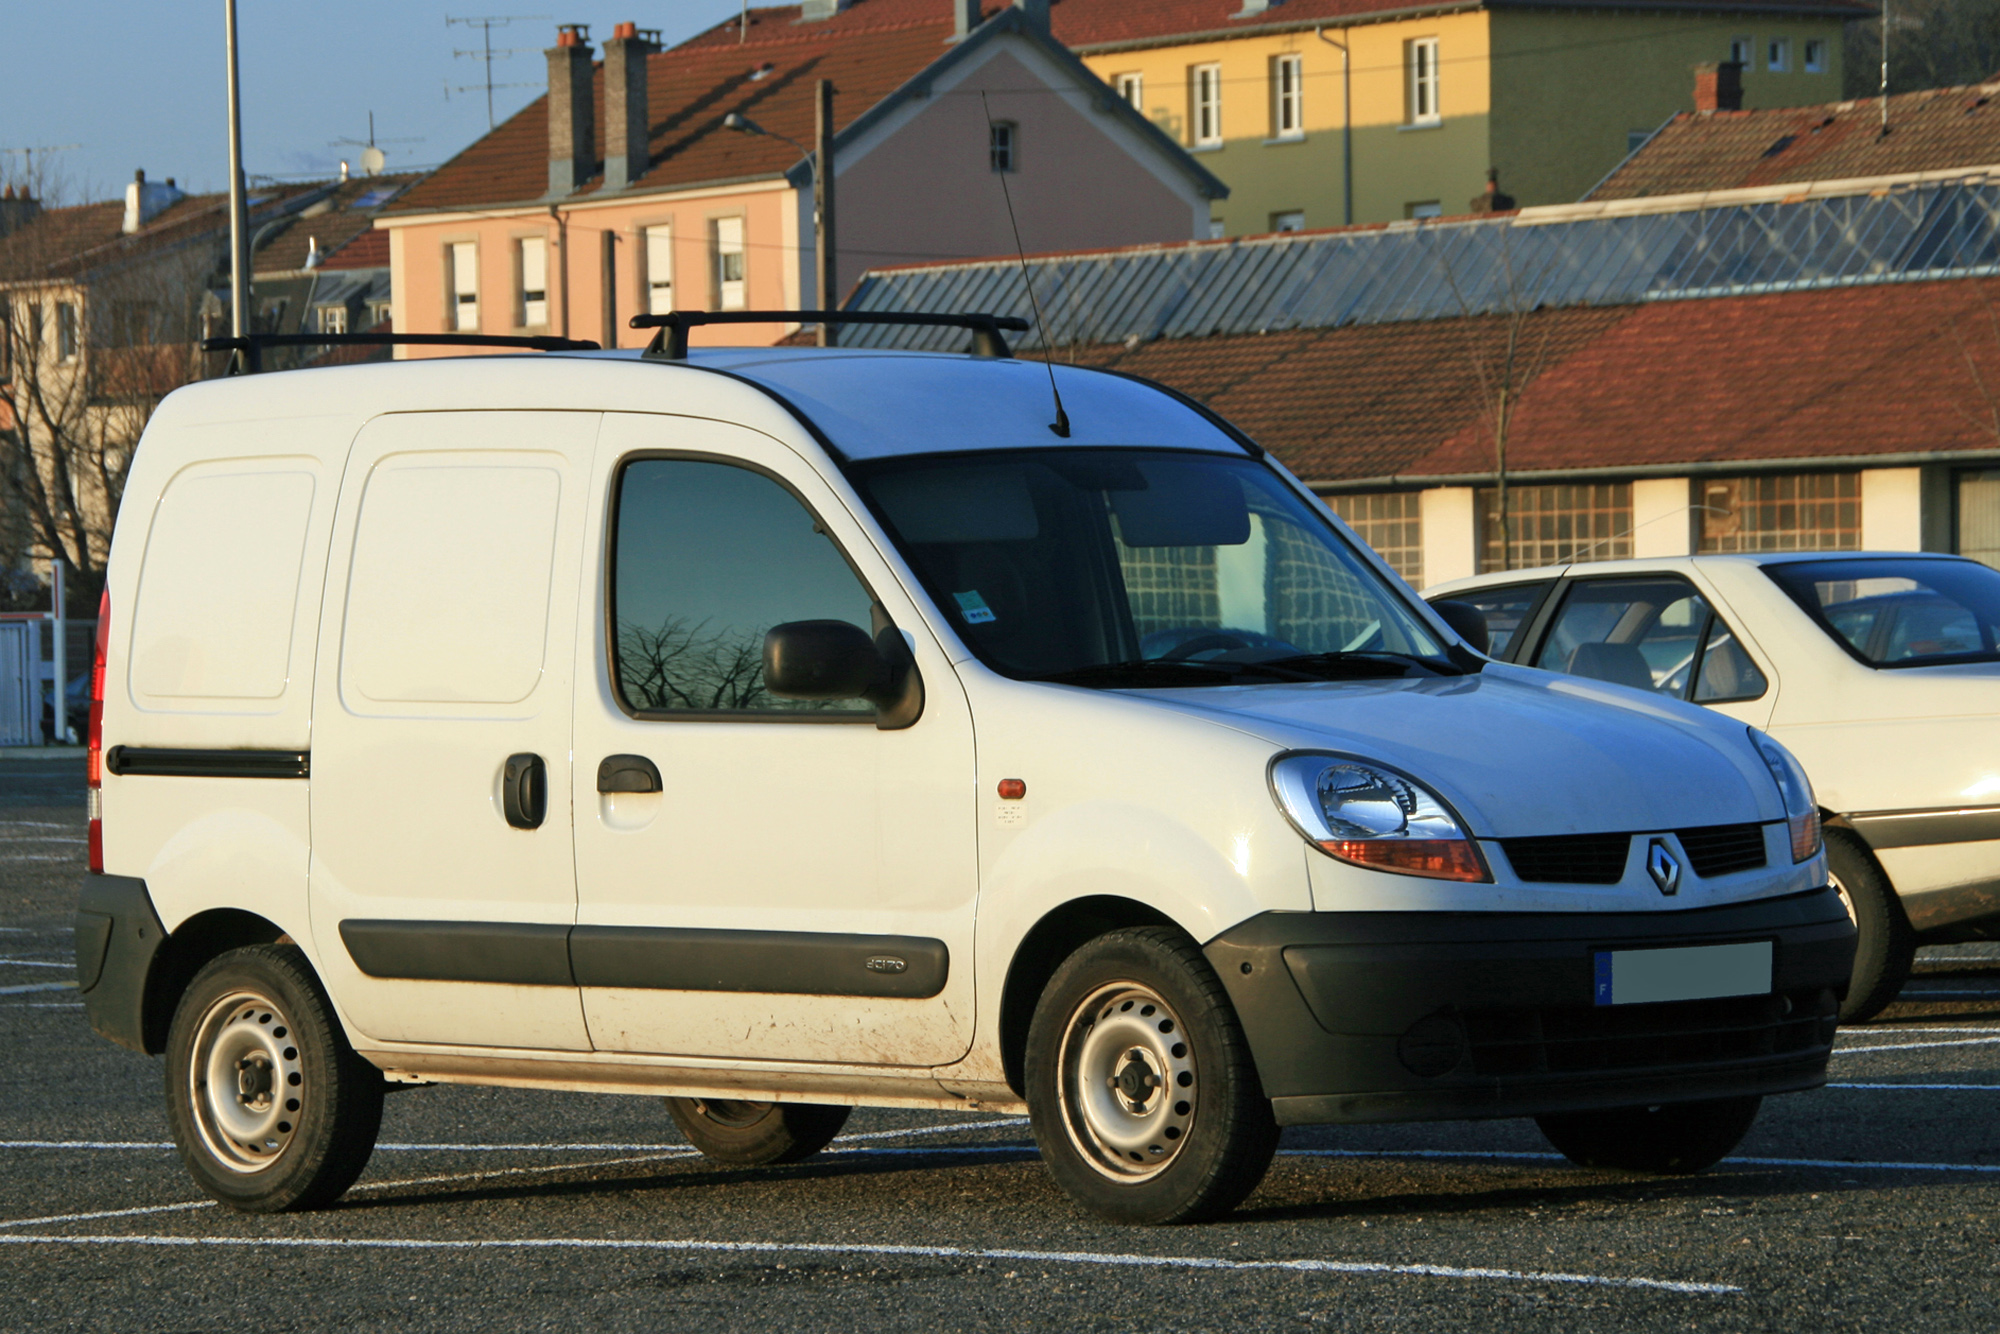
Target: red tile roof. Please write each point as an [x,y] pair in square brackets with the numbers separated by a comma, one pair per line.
[1938,129]
[369,250]
[63,241]
[286,247]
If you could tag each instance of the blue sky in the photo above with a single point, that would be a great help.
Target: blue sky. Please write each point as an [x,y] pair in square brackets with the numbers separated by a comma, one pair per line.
[140,83]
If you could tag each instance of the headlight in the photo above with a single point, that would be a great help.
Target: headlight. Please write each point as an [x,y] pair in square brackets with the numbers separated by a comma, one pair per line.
[1801,810]
[1373,816]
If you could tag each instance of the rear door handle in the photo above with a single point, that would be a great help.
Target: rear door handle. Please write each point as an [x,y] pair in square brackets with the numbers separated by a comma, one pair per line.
[524,791]
[628,773]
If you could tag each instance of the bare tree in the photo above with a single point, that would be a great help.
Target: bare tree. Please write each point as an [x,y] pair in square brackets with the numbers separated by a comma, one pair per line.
[679,665]
[1932,44]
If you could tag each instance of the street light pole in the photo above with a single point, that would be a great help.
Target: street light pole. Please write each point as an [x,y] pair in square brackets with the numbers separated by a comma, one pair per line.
[239,210]
[823,209]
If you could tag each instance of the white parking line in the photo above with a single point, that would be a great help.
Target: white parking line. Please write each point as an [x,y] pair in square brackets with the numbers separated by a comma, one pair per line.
[915,1252]
[1917,1046]
[34,963]
[1899,1030]
[1475,1155]
[1944,1088]
[37,986]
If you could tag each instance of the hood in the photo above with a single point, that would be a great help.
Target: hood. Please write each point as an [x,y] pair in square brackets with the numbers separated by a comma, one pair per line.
[1519,752]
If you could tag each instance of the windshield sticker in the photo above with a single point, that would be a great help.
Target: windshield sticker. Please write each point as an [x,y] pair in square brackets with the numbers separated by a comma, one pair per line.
[973,608]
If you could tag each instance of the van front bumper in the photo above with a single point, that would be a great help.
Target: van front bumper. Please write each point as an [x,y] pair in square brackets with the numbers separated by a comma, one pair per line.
[1414,1016]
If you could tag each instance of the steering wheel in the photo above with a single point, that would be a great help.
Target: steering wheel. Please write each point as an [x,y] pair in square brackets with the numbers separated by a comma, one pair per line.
[1215,639]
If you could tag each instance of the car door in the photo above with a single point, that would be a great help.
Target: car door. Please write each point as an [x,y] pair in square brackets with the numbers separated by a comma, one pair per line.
[1654,632]
[758,878]
[441,899]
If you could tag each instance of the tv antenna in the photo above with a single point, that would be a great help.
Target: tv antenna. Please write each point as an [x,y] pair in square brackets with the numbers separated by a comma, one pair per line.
[486,24]
[28,156]
[373,159]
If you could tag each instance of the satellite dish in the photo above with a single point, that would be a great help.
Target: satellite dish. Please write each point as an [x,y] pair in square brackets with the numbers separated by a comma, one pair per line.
[372,161]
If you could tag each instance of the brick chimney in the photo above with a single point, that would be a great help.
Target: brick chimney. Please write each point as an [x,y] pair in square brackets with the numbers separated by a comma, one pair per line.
[964,18]
[572,152]
[17,210]
[1718,85]
[625,122]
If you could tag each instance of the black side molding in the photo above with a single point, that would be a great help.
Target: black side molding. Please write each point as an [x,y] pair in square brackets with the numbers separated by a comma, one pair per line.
[793,963]
[157,763]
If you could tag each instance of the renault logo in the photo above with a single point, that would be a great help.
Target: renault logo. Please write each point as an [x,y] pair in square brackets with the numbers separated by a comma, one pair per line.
[1662,866]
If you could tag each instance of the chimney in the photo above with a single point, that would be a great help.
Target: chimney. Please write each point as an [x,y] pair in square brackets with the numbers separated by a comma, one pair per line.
[965,17]
[1718,85]
[1492,199]
[625,123]
[146,200]
[572,154]
[1035,12]
[17,209]
[812,11]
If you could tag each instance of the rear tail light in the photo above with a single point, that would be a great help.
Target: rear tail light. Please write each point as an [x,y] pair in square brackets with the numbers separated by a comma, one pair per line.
[94,758]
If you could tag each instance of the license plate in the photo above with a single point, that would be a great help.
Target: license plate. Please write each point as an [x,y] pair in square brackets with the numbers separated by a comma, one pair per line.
[1693,972]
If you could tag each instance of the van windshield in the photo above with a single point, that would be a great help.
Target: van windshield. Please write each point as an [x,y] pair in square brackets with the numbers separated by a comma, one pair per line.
[1918,612]
[1122,567]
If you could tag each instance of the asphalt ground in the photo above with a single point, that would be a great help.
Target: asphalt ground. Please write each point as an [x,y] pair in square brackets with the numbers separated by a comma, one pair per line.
[1868,1204]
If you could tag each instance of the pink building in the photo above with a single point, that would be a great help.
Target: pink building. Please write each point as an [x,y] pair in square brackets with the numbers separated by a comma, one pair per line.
[622,191]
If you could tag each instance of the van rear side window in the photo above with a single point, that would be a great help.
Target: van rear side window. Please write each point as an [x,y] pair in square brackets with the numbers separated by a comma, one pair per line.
[219,586]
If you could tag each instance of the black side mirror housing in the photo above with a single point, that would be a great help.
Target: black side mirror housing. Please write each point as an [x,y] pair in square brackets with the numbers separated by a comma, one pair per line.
[823,660]
[1467,620]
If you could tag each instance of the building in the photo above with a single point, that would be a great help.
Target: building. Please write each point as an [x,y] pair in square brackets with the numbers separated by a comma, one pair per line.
[624,191]
[1781,368]
[1414,103]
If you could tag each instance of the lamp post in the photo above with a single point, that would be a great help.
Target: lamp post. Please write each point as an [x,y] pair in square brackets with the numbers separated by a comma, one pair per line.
[820,162]
[239,212]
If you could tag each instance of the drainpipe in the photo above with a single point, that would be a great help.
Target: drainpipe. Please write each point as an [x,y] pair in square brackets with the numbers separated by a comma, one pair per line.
[562,264]
[1346,125]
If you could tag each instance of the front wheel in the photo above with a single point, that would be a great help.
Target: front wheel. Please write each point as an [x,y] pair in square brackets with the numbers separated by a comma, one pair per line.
[270,1108]
[1145,1102]
[744,1133]
[1675,1138]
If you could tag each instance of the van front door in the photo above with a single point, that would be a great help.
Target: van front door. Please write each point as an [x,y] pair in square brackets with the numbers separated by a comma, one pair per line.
[758,878]
[442,879]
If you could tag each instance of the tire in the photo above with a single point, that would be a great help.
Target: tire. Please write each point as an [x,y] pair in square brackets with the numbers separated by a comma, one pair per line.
[1145,1102]
[269,1106]
[756,1134]
[1675,1138]
[1885,945]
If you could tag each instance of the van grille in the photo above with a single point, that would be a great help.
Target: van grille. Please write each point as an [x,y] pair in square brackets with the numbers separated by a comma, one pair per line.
[1724,848]
[1579,1039]
[1569,859]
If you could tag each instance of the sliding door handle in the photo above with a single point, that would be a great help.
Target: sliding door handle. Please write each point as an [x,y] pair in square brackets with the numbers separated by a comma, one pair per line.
[524,791]
[628,773]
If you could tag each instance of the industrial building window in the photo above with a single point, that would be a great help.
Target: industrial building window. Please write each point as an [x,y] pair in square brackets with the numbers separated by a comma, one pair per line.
[728,238]
[1778,56]
[1979,515]
[660,270]
[462,260]
[1391,523]
[1792,512]
[1287,99]
[533,259]
[1420,77]
[1205,109]
[332,319]
[1423,208]
[1291,220]
[1816,56]
[1132,90]
[1555,525]
[1000,145]
[66,339]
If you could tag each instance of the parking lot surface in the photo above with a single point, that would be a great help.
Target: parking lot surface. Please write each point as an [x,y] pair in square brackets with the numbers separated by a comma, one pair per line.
[1868,1204]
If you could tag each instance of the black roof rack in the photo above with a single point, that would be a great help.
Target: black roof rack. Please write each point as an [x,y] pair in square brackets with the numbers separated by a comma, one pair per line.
[249,349]
[671,343]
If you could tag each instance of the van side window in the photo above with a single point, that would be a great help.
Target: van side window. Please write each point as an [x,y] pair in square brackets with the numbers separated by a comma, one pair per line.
[707,558]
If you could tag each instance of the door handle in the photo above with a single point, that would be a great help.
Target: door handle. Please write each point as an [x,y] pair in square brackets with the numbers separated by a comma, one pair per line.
[628,773]
[524,790]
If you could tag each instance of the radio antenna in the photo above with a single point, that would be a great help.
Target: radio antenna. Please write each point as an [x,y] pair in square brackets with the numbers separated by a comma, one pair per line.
[1061,424]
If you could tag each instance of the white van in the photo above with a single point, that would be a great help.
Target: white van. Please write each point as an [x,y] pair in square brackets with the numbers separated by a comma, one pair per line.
[784,730]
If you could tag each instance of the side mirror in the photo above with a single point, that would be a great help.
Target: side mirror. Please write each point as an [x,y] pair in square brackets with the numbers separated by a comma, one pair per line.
[835,660]
[1467,620]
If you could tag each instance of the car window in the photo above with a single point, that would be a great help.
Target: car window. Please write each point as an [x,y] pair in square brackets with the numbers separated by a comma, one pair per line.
[1727,673]
[1900,612]
[1506,609]
[1650,634]
[708,557]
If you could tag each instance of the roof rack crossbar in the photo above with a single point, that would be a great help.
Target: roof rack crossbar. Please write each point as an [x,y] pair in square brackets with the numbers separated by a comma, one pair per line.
[249,349]
[671,342]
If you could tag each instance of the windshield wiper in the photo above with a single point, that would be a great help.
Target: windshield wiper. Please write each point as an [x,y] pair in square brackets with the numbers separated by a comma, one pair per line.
[1148,671]
[1367,662]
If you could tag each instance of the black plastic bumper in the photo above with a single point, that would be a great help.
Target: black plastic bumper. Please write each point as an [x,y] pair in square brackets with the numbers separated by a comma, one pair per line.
[118,940]
[1414,1016]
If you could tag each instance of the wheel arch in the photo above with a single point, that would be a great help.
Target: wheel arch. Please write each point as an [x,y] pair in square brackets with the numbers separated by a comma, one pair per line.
[186,951]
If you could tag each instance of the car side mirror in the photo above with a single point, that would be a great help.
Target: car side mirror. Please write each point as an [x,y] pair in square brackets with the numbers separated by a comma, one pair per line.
[825,660]
[1468,621]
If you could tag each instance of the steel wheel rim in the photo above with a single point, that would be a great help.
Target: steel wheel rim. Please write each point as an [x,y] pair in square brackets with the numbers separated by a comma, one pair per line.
[1127,1081]
[1846,899]
[245,1081]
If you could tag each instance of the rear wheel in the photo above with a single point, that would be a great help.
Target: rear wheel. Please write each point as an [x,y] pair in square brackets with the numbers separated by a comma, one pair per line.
[744,1133]
[1145,1102]
[270,1108]
[1884,945]
[1675,1138]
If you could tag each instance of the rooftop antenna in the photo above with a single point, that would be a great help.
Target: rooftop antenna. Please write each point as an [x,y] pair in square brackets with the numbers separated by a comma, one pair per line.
[1061,424]
[28,156]
[486,24]
[1885,67]
[373,159]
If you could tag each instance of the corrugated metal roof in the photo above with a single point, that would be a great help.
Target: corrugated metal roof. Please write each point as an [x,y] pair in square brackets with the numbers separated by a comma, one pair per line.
[1438,270]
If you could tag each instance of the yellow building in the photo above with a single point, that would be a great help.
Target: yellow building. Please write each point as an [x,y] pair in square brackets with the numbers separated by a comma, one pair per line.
[1318,113]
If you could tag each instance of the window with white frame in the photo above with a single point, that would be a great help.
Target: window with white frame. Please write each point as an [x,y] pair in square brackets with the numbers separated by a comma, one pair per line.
[1778,55]
[462,258]
[67,343]
[1420,76]
[378,311]
[532,256]
[1741,50]
[1287,98]
[1424,208]
[1205,105]
[1816,56]
[1132,91]
[728,240]
[659,269]
[1291,220]
[332,319]
[1002,140]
